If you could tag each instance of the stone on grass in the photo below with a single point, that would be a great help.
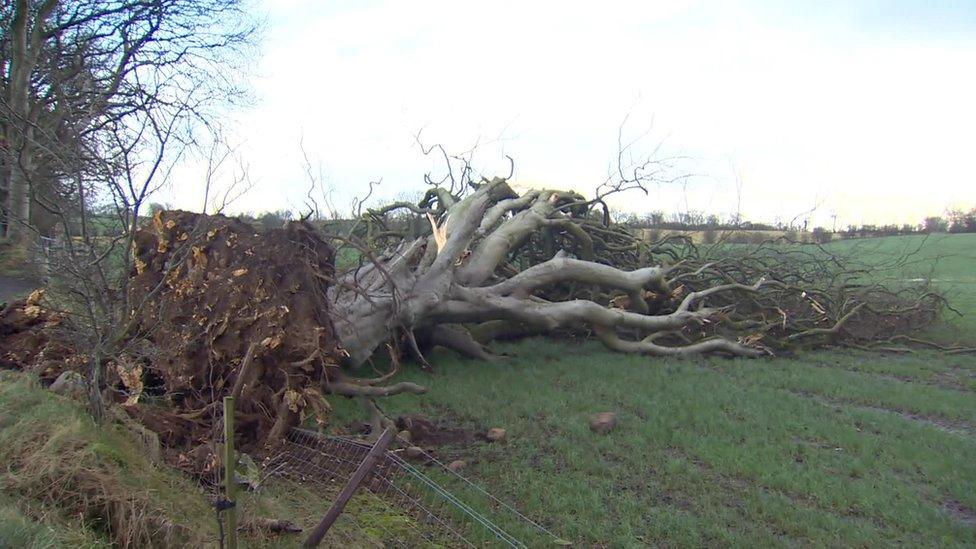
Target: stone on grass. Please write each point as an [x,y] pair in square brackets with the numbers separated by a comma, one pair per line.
[69,384]
[603,422]
[457,465]
[414,453]
[496,434]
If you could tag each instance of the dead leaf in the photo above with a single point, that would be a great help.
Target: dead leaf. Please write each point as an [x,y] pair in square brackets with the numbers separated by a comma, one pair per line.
[272,342]
[240,272]
[158,222]
[35,297]
[294,399]
[131,377]
[199,257]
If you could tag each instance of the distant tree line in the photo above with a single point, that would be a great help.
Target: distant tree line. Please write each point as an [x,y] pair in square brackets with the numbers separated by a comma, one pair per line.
[711,225]
[954,221]
[696,221]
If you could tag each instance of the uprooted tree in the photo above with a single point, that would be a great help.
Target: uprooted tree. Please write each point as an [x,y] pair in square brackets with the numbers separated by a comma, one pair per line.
[271,318]
[498,263]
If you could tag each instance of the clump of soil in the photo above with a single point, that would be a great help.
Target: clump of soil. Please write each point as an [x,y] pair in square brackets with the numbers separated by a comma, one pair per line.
[26,343]
[22,334]
[424,431]
[209,289]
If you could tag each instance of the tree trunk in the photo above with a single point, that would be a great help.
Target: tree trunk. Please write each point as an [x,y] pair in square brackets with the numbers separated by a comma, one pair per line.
[26,38]
[543,262]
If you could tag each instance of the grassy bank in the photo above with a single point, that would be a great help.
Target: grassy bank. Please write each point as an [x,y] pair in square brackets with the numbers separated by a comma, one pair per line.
[67,483]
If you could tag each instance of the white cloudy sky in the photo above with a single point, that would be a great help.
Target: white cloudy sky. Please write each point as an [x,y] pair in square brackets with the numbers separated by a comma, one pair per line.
[867,108]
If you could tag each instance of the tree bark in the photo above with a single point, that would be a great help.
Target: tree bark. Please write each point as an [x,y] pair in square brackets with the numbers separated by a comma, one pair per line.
[460,277]
[551,261]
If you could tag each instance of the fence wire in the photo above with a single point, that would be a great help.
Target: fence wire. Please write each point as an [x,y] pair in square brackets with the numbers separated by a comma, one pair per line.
[438,506]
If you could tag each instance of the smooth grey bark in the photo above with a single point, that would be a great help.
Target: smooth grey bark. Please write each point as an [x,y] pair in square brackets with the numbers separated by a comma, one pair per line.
[436,283]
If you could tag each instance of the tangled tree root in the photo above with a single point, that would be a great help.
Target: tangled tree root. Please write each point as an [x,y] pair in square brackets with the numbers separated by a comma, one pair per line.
[239,313]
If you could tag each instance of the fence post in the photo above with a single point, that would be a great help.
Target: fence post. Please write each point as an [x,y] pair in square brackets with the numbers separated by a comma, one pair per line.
[340,503]
[229,481]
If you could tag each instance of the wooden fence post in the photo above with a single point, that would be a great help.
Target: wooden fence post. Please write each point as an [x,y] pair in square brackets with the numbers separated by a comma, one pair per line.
[229,466]
[340,503]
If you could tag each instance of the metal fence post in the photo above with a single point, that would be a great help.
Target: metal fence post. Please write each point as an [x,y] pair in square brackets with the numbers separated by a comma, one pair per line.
[229,481]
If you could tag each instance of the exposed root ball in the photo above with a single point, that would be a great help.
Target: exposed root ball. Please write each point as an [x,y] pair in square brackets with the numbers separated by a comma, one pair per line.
[25,339]
[213,290]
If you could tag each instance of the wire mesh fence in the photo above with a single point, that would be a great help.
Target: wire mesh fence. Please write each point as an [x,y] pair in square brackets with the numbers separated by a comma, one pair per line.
[413,504]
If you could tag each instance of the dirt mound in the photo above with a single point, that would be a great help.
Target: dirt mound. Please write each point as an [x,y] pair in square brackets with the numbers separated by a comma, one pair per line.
[26,329]
[211,292]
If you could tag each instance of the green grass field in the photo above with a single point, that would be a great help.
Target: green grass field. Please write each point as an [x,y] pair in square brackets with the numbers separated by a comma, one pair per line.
[834,448]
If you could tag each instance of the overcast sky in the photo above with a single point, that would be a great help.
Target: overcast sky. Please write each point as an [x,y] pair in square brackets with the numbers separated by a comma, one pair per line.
[864,108]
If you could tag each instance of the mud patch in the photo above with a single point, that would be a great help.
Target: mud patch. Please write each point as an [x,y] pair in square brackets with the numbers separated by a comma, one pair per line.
[959,512]
[426,432]
[26,327]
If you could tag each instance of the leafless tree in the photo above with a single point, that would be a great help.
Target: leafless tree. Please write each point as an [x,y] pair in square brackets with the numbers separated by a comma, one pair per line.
[74,76]
[100,100]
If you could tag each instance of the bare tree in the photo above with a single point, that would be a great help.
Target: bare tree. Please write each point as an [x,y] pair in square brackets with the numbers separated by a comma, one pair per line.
[77,74]
[100,101]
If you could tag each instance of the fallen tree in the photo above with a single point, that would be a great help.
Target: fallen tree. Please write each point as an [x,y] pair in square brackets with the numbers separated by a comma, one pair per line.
[270,318]
[497,263]
[270,315]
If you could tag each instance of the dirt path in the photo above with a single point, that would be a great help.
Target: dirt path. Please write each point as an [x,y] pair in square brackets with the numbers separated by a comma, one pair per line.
[14,288]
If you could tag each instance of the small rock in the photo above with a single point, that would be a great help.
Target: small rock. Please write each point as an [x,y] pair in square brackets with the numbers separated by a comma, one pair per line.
[457,465]
[496,434]
[603,422]
[414,453]
[69,384]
